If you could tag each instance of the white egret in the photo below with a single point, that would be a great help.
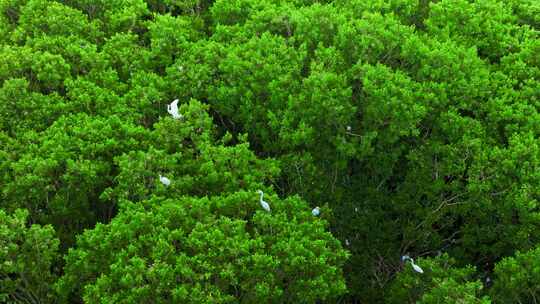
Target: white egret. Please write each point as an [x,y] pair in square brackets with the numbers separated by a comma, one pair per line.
[173,110]
[164,180]
[414,266]
[347,243]
[264,204]
[316,211]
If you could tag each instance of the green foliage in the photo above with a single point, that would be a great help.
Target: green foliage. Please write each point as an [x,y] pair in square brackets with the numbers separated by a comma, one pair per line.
[170,36]
[516,278]
[60,175]
[22,109]
[27,254]
[412,123]
[442,282]
[187,153]
[222,249]
[489,25]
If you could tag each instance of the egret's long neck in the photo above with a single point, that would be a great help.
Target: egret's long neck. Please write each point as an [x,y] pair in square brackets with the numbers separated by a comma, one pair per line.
[261,194]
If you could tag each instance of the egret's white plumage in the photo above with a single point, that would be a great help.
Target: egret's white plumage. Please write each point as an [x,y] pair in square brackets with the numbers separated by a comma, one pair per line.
[264,204]
[414,266]
[164,180]
[173,110]
[347,242]
[316,211]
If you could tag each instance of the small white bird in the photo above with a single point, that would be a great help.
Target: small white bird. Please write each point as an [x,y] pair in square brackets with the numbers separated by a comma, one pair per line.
[414,266]
[316,211]
[347,242]
[348,128]
[264,204]
[173,110]
[164,180]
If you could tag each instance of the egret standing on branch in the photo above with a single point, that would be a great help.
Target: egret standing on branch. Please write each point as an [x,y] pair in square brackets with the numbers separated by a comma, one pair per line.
[414,266]
[164,180]
[264,204]
[316,211]
[173,110]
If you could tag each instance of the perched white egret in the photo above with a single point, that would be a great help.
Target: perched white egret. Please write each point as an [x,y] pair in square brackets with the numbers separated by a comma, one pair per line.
[414,266]
[355,209]
[316,211]
[349,128]
[264,204]
[347,242]
[164,180]
[173,110]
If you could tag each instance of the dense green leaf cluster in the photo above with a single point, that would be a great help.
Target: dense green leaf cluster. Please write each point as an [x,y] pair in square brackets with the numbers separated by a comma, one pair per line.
[27,256]
[413,124]
[200,250]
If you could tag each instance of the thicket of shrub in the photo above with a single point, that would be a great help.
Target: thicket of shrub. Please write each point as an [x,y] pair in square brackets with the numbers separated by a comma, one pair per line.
[414,125]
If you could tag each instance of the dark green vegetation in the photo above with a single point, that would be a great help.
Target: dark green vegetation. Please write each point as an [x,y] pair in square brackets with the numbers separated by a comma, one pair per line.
[414,124]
